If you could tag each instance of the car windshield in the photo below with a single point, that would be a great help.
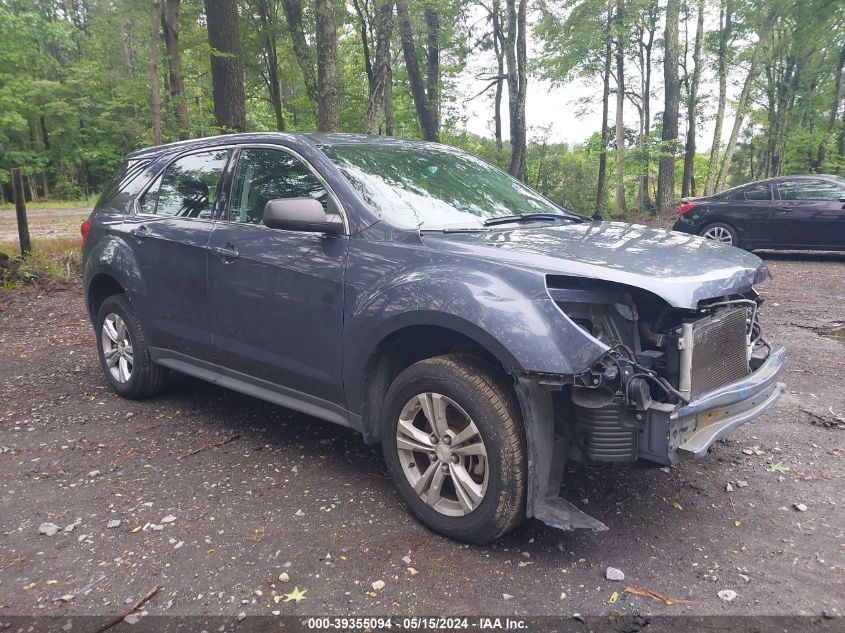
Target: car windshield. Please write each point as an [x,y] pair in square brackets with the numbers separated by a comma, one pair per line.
[434,187]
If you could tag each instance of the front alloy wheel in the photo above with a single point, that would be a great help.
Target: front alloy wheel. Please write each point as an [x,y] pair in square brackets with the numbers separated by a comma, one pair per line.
[453,442]
[442,454]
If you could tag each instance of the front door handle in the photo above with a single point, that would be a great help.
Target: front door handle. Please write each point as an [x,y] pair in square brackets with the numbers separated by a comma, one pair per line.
[226,253]
[140,234]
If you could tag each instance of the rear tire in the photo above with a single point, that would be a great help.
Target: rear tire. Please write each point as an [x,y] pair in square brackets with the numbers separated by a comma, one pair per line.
[123,351]
[721,232]
[471,474]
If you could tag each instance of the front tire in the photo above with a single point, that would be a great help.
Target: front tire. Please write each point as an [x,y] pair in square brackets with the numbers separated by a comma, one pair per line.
[453,442]
[123,351]
[721,232]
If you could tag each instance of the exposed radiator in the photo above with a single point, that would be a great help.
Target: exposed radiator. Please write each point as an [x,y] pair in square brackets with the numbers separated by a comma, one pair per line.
[719,353]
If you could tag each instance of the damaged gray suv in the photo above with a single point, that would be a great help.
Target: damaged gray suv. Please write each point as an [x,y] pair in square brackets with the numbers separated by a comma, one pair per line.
[482,334]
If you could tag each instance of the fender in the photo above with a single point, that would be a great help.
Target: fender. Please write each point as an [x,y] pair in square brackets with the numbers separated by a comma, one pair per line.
[112,256]
[506,310]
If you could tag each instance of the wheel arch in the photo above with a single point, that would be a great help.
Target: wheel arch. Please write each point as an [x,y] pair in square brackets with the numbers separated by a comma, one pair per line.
[405,345]
[101,286]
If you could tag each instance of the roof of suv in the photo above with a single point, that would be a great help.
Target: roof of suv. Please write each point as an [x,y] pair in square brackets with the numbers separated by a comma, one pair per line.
[319,138]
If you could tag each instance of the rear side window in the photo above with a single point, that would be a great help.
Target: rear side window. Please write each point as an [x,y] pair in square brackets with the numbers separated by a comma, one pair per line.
[810,190]
[188,187]
[270,174]
[128,171]
[758,192]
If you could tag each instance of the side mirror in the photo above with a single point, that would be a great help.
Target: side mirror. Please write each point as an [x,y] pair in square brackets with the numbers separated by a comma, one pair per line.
[301,214]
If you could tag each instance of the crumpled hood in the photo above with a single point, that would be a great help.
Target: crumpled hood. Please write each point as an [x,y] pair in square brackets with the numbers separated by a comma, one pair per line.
[682,269]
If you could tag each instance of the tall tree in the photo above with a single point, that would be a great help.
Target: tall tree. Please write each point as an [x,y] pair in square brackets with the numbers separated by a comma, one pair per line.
[170,27]
[620,27]
[381,66]
[601,185]
[328,73]
[155,95]
[499,51]
[302,51]
[268,17]
[428,126]
[227,76]
[516,59]
[725,23]
[744,97]
[666,169]
[834,109]
[432,65]
[687,182]
[646,29]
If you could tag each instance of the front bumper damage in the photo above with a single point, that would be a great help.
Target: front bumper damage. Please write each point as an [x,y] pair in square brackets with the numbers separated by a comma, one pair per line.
[664,436]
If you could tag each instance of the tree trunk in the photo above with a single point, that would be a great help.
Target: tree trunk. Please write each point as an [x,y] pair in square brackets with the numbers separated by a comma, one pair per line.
[432,66]
[364,30]
[155,97]
[605,106]
[834,109]
[381,67]
[687,185]
[227,77]
[753,71]
[722,71]
[269,19]
[666,169]
[412,65]
[170,26]
[328,72]
[304,56]
[516,61]
[498,49]
[389,113]
[620,105]
[647,47]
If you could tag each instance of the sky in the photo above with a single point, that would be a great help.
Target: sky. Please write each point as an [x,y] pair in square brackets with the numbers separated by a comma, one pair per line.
[557,112]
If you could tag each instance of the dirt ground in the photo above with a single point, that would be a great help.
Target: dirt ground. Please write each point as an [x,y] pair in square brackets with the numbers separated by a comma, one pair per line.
[218,494]
[43,223]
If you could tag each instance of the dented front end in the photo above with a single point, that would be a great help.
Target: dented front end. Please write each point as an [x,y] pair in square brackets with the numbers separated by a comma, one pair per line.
[671,382]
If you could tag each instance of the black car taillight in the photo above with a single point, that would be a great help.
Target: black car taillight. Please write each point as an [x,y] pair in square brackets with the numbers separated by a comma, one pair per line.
[686,207]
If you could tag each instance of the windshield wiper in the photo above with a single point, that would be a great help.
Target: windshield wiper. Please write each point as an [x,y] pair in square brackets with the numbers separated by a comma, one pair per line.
[526,217]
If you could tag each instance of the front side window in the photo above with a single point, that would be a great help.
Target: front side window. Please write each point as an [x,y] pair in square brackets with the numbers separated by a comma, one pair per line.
[270,174]
[188,187]
[810,190]
[758,192]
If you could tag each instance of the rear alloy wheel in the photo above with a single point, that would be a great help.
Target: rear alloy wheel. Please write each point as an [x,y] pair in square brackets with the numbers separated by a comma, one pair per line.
[721,232]
[123,351]
[452,439]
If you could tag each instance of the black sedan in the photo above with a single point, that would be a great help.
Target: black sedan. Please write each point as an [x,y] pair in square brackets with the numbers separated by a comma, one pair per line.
[789,212]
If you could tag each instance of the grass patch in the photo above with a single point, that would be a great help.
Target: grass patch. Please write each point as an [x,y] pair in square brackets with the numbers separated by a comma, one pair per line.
[54,204]
[51,261]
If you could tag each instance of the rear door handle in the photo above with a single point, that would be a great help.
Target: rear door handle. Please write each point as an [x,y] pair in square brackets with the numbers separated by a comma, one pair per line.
[140,234]
[226,253]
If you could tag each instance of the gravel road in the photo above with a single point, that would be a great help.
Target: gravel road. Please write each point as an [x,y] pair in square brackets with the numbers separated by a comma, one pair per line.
[213,495]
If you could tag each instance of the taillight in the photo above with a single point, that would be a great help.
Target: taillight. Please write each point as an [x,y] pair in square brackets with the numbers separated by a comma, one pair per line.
[85,229]
[686,207]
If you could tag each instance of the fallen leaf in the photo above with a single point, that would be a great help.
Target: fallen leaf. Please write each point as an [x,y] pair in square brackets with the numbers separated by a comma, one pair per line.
[277,599]
[52,582]
[136,529]
[677,506]
[737,523]
[613,598]
[296,595]
[777,468]
[648,593]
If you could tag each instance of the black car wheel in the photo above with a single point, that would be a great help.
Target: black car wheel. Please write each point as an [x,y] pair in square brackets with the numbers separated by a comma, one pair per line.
[453,442]
[122,348]
[721,232]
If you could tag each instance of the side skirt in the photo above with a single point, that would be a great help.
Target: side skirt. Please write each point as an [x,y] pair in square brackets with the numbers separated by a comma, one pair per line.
[256,387]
